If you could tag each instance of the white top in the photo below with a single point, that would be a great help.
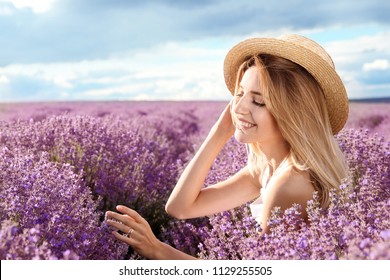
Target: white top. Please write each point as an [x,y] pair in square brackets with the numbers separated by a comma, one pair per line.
[257,205]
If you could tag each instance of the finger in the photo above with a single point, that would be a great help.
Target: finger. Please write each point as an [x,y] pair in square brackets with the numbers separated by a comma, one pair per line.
[121,222]
[119,217]
[229,106]
[132,238]
[130,212]
[119,226]
[123,238]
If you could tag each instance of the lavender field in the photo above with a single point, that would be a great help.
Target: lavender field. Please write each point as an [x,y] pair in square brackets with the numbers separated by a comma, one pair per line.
[62,165]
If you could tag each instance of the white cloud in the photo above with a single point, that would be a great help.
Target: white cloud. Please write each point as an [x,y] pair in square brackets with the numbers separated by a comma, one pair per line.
[37,6]
[358,90]
[377,64]
[142,97]
[345,51]
[5,11]
[115,91]
[191,70]
[350,57]
[166,72]
[4,80]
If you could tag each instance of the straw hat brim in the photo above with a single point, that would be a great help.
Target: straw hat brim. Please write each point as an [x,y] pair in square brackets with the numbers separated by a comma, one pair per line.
[335,94]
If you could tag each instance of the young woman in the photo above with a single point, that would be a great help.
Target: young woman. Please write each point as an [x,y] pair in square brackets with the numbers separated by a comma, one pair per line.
[288,102]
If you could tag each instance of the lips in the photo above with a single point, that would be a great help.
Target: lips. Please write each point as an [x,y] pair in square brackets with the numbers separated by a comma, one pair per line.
[245,124]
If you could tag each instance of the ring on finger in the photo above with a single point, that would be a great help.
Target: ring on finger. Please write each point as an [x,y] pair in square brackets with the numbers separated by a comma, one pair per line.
[128,234]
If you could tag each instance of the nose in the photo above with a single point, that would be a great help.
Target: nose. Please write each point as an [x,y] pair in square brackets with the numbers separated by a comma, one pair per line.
[241,105]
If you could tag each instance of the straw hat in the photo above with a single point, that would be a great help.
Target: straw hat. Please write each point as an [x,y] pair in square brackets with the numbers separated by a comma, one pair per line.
[304,52]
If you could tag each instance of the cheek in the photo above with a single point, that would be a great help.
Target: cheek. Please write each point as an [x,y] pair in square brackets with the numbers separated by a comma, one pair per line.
[273,123]
[273,126]
[268,122]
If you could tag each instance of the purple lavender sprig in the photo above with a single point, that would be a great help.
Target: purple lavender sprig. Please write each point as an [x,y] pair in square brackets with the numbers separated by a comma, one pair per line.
[36,192]
[355,226]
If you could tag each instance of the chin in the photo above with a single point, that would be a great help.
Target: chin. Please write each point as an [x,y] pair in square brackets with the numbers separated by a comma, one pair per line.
[242,138]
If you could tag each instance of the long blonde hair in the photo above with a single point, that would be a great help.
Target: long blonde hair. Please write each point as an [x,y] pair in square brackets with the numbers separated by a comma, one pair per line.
[297,103]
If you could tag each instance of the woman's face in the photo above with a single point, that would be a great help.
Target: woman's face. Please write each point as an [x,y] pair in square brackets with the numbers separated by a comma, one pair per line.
[254,123]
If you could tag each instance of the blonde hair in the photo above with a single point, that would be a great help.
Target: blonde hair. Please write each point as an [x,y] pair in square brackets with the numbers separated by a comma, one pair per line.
[297,103]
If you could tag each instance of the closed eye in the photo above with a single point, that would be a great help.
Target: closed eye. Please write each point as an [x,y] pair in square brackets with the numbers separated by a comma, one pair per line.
[258,103]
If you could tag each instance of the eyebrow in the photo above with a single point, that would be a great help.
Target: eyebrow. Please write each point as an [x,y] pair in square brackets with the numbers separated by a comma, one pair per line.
[253,92]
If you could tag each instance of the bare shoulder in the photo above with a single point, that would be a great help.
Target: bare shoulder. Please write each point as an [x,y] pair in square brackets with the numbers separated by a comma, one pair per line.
[292,185]
[287,188]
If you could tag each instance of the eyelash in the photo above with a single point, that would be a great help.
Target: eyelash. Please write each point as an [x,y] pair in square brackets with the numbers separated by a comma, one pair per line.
[253,101]
[258,104]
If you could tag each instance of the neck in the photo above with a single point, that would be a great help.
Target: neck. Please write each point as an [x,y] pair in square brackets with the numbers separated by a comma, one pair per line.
[276,155]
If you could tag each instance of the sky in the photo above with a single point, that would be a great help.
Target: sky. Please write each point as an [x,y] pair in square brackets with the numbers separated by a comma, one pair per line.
[72,50]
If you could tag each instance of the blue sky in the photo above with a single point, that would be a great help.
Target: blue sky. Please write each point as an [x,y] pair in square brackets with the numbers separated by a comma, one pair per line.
[174,50]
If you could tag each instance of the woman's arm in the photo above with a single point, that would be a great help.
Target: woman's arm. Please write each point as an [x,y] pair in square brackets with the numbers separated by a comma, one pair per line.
[189,199]
[141,237]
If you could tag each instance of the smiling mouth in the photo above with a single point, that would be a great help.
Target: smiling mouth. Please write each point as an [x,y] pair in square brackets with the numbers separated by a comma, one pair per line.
[245,125]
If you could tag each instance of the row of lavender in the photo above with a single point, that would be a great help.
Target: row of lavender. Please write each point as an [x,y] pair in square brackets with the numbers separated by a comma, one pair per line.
[356,225]
[59,174]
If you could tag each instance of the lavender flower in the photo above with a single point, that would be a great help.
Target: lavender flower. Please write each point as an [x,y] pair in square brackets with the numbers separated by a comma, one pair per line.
[60,172]
[354,227]
[48,197]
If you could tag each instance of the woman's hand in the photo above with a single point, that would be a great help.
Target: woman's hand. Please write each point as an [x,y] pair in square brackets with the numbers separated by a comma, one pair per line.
[187,199]
[138,234]
[136,231]
[224,123]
